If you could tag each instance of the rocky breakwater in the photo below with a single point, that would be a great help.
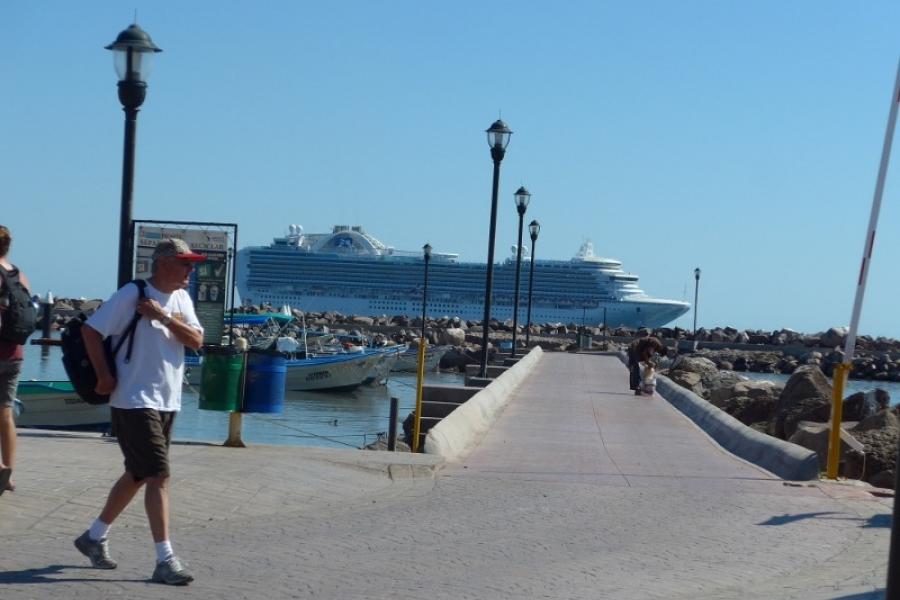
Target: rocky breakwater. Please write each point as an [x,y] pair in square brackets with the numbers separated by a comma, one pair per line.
[784,350]
[800,411]
[463,337]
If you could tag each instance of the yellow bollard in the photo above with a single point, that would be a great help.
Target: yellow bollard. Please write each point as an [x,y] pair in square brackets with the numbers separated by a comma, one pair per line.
[837,407]
[236,419]
[417,426]
[234,440]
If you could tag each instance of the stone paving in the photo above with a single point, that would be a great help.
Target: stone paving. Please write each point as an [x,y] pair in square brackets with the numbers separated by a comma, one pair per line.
[581,490]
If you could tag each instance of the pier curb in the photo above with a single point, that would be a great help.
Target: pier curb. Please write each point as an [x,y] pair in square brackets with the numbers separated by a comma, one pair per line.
[784,459]
[459,433]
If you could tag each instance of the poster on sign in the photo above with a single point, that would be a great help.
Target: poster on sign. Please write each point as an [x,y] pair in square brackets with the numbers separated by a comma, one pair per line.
[209,281]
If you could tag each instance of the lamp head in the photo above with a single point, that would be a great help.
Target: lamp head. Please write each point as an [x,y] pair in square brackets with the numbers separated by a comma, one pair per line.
[132,51]
[523,197]
[697,273]
[498,136]
[534,228]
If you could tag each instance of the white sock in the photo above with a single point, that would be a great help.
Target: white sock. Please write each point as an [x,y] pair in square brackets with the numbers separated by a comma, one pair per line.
[98,530]
[164,551]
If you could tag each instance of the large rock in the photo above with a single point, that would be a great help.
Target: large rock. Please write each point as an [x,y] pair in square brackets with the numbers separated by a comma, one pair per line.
[816,437]
[861,405]
[695,364]
[688,380]
[879,434]
[806,397]
[453,336]
[833,337]
[457,358]
[748,401]
[710,378]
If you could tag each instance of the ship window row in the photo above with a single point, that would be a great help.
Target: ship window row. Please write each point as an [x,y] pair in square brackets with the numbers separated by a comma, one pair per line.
[406,271]
[416,294]
[403,269]
[452,278]
[475,296]
[386,279]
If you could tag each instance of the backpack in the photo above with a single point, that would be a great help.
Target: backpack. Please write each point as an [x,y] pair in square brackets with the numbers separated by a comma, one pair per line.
[19,319]
[77,362]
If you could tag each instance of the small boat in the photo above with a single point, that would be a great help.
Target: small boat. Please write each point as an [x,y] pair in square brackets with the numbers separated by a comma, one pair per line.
[55,405]
[389,357]
[408,361]
[332,372]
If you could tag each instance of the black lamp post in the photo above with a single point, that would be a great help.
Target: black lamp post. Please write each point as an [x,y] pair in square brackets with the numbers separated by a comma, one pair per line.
[426,250]
[498,138]
[534,228]
[132,52]
[522,199]
[696,292]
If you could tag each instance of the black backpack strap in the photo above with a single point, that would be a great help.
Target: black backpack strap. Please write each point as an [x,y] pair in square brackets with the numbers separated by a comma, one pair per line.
[132,326]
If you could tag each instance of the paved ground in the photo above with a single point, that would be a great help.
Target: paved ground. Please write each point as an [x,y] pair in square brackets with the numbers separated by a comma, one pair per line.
[580,491]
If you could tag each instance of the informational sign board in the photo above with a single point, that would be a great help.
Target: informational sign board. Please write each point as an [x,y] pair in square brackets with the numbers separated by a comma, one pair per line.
[209,281]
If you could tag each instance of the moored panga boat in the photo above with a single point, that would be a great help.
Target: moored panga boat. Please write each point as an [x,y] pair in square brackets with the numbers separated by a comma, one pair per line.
[55,405]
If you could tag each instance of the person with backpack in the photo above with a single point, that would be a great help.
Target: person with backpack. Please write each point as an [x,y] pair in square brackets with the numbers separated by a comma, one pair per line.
[18,319]
[145,395]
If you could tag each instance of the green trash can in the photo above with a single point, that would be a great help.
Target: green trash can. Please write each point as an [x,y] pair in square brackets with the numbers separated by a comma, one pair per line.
[221,379]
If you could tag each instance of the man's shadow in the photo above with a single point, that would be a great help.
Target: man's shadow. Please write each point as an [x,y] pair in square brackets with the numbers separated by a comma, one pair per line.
[44,575]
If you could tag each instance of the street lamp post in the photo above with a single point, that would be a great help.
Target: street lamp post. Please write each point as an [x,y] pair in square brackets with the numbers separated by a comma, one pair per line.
[132,52]
[523,197]
[426,252]
[696,292]
[534,228]
[420,371]
[498,138]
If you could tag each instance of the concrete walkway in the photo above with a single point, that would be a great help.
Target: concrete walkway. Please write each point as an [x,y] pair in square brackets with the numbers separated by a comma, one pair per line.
[581,490]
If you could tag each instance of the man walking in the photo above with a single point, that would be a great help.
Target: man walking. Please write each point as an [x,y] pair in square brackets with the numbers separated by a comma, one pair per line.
[13,285]
[145,395]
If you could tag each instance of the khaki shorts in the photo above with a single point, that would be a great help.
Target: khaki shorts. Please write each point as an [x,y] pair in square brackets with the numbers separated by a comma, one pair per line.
[9,381]
[144,435]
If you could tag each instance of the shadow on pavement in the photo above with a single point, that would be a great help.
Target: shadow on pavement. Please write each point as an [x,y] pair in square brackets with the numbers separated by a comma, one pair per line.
[873,595]
[41,575]
[876,521]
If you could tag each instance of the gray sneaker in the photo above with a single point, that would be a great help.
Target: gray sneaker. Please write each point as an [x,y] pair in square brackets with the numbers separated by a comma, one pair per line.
[172,572]
[96,550]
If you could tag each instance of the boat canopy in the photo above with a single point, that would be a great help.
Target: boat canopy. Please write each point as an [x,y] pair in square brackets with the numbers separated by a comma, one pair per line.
[259,319]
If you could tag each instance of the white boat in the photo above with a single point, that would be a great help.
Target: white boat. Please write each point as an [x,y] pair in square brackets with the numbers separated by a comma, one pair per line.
[332,372]
[55,405]
[389,357]
[408,362]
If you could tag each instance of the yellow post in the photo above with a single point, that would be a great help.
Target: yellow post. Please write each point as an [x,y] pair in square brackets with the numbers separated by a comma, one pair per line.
[236,419]
[234,440]
[837,406]
[417,427]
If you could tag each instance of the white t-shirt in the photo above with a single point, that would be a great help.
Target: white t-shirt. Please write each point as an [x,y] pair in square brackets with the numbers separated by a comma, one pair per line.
[153,376]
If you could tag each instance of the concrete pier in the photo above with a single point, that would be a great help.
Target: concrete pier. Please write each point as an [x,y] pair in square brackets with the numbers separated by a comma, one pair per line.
[579,490]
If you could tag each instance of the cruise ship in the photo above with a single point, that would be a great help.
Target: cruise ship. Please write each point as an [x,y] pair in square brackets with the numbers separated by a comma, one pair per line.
[351,272]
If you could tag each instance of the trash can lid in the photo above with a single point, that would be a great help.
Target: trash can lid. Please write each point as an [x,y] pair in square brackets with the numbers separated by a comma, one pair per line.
[216,350]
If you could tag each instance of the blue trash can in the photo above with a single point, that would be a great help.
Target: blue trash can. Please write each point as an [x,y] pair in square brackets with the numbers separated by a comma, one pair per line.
[264,382]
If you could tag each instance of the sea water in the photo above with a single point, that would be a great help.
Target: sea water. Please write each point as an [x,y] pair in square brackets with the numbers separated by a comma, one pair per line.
[852,386]
[336,419]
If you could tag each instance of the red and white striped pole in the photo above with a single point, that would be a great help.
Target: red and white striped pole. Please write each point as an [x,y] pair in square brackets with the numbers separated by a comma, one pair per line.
[843,369]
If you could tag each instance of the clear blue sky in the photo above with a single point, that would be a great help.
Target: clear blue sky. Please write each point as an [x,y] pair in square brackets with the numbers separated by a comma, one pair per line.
[743,138]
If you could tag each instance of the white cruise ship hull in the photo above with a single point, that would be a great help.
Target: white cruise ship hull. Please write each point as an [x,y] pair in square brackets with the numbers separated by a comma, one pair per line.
[350,272]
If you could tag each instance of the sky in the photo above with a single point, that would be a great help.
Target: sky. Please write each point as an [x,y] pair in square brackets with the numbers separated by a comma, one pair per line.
[741,138]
